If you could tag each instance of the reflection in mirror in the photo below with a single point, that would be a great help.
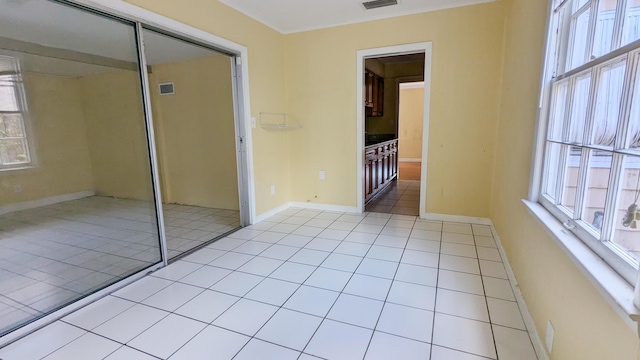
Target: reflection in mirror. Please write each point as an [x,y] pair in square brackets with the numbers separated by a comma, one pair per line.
[76,198]
[192,104]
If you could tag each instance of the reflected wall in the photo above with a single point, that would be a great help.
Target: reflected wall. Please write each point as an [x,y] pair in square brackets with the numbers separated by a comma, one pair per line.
[77,210]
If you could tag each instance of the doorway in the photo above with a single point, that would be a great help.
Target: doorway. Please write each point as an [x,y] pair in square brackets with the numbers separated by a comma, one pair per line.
[392,165]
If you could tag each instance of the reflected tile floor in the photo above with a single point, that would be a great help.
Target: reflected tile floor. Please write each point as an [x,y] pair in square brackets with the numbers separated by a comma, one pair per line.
[309,285]
[55,254]
[402,197]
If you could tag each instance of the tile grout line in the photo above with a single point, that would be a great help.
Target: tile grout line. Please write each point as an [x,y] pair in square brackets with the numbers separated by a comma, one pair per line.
[384,303]
[486,300]
[341,291]
[435,300]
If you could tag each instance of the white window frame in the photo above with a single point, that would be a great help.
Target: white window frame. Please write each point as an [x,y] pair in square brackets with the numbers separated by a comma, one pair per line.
[21,102]
[614,277]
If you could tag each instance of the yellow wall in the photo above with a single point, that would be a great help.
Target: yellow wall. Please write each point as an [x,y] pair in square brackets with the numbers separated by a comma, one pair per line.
[585,325]
[116,134]
[267,88]
[410,123]
[62,164]
[321,92]
[195,133]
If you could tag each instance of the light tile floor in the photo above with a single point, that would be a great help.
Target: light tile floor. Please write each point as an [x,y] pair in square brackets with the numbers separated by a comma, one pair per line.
[309,285]
[52,255]
[402,197]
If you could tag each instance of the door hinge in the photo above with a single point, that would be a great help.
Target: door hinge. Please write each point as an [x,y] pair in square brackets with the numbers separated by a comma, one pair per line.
[238,60]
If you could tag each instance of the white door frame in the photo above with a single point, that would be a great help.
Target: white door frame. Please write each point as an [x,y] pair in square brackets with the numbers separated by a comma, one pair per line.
[426,48]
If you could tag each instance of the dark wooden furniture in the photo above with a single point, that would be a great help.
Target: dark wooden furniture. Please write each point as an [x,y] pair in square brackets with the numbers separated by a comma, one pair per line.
[380,167]
[373,94]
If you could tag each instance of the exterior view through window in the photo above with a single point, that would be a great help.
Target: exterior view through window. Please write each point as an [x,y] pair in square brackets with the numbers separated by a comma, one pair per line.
[591,175]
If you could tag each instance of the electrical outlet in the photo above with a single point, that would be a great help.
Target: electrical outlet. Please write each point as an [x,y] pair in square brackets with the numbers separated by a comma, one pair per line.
[253,122]
[321,174]
[548,340]
[273,189]
[17,188]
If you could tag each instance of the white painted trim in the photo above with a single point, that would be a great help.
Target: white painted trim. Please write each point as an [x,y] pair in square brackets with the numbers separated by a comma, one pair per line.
[410,160]
[280,29]
[528,320]
[425,129]
[614,289]
[32,204]
[361,55]
[74,306]
[537,156]
[324,207]
[412,85]
[134,13]
[269,213]
[455,218]
[305,205]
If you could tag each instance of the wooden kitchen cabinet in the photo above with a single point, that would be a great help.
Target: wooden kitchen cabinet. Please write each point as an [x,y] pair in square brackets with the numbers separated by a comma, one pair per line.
[373,94]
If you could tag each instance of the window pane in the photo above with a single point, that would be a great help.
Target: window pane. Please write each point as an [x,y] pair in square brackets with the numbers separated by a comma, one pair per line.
[558,111]
[579,108]
[608,97]
[627,233]
[597,183]
[604,28]
[552,165]
[7,95]
[578,4]
[11,125]
[571,171]
[580,35]
[631,31]
[13,152]
[633,135]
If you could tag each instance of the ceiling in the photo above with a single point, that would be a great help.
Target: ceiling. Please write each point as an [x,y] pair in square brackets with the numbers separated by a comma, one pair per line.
[290,16]
[57,26]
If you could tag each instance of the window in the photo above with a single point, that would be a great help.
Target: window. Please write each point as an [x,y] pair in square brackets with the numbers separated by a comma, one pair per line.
[14,146]
[591,168]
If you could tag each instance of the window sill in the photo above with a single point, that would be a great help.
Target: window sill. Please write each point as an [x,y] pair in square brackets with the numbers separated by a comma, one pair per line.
[21,167]
[616,291]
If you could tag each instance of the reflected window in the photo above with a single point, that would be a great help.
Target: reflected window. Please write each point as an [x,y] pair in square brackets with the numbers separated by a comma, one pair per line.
[14,145]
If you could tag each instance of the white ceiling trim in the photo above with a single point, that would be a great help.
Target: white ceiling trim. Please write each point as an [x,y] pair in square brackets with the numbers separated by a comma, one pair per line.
[283,29]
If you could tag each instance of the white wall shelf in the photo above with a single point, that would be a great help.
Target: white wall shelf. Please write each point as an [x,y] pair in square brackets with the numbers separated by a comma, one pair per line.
[277,121]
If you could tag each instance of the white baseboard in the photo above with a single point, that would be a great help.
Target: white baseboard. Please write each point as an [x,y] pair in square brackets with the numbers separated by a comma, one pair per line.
[538,345]
[304,205]
[413,160]
[456,218]
[324,207]
[269,213]
[5,209]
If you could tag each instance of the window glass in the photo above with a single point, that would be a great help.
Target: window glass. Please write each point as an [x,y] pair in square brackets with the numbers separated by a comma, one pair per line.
[607,109]
[557,120]
[570,174]
[603,37]
[596,188]
[633,127]
[552,163]
[631,31]
[579,108]
[627,221]
[580,38]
